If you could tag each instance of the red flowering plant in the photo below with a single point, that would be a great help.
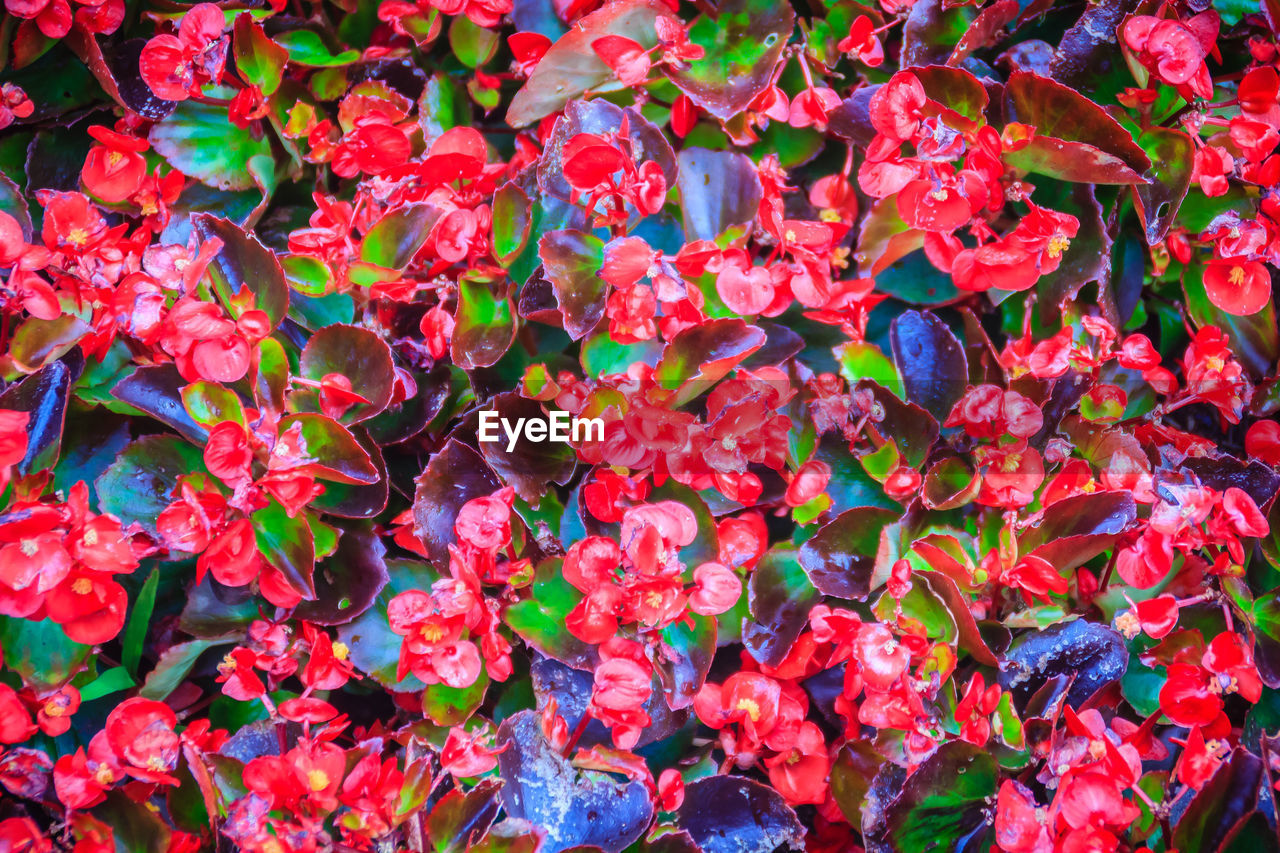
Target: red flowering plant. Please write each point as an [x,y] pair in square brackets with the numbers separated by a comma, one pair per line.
[636,425]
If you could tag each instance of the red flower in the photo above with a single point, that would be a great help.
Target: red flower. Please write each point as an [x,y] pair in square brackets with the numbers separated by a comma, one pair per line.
[114,169]
[15,720]
[863,42]
[177,67]
[628,61]
[1020,822]
[1238,285]
[89,606]
[140,732]
[621,687]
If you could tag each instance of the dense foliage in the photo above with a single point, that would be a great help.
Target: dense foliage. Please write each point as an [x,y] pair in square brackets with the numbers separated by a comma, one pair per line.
[934,346]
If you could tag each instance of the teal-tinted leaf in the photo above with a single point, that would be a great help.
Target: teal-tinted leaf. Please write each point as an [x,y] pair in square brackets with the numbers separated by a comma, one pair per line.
[944,800]
[140,483]
[44,397]
[198,140]
[41,653]
[718,190]
[540,618]
[485,324]
[375,648]
[572,260]
[1172,157]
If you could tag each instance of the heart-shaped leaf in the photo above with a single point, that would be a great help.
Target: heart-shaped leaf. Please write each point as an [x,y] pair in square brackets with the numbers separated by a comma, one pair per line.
[540,618]
[485,325]
[349,580]
[570,67]
[742,42]
[718,190]
[244,268]
[139,484]
[572,261]
[840,558]
[453,476]
[730,814]
[531,466]
[930,360]
[574,807]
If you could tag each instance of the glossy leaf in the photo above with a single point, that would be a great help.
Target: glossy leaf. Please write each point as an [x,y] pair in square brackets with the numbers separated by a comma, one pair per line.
[930,360]
[485,326]
[727,814]
[944,801]
[742,41]
[374,647]
[453,476]
[288,544]
[572,261]
[718,190]
[1172,154]
[139,484]
[348,581]
[332,452]
[158,390]
[540,619]
[571,67]
[1094,654]
[462,818]
[780,598]
[701,355]
[532,467]
[575,807]
[44,396]
[841,557]
[197,140]
[355,353]
[243,268]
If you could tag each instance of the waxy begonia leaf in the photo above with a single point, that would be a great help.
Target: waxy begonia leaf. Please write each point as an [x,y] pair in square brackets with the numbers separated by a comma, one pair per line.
[644,140]
[243,268]
[718,190]
[1060,114]
[573,806]
[331,451]
[358,500]
[1093,653]
[781,596]
[572,261]
[453,706]
[1217,810]
[1077,529]
[211,403]
[840,558]
[944,802]
[347,581]
[305,47]
[851,775]
[698,357]
[572,689]
[453,476]
[571,67]
[485,326]
[930,360]
[40,652]
[395,238]
[956,90]
[197,140]
[682,658]
[288,544]
[173,667]
[374,647]
[157,389]
[259,59]
[44,396]
[37,342]
[742,42]
[355,353]
[1172,156]
[540,618]
[139,485]
[462,817]
[728,814]
[511,222]
[532,466]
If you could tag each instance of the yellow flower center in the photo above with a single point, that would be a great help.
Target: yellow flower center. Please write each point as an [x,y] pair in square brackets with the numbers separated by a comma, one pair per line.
[317,780]
[340,651]
[91,537]
[29,547]
[751,707]
[78,237]
[939,194]
[82,586]
[431,632]
[103,775]
[1058,245]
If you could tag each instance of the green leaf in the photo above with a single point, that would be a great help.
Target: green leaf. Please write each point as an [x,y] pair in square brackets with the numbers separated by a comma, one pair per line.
[211,403]
[111,681]
[245,274]
[375,648]
[944,800]
[135,632]
[173,668]
[307,275]
[197,140]
[37,342]
[862,360]
[356,353]
[140,483]
[453,706]
[305,47]
[473,44]
[396,237]
[683,659]
[700,356]
[743,43]
[288,544]
[511,222]
[1172,157]
[41,653]
[570,67]
[781,597]
[540,618]
[485,324]
[258,59]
